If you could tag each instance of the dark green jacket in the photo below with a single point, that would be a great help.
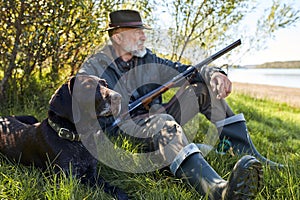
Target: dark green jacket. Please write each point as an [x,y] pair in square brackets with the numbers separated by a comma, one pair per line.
[135,78]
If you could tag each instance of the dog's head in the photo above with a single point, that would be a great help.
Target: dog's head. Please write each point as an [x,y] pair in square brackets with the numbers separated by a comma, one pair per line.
[85,96]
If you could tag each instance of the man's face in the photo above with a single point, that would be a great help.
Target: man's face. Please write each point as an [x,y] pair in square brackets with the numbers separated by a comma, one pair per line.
[132,40]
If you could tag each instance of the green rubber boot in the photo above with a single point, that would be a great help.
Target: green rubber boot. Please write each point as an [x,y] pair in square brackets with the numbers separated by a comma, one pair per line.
[233,134]
[245,181]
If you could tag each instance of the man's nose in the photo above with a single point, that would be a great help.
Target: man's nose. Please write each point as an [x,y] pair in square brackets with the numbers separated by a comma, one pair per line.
[143,36]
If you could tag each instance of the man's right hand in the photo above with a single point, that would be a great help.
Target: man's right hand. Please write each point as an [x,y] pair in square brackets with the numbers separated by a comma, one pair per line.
[221,85]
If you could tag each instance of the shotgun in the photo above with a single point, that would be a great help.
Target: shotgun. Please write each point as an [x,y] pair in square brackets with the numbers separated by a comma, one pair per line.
[147,99]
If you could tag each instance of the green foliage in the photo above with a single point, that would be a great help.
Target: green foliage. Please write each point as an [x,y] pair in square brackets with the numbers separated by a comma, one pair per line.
[44,42]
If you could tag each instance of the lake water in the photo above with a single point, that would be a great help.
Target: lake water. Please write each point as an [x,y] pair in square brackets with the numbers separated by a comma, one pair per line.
[276,77]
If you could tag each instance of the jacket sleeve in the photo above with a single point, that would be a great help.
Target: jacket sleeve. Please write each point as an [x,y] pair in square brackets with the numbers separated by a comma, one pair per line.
[207,72]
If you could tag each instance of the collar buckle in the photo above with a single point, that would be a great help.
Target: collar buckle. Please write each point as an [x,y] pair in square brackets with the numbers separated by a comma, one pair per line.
[66,133]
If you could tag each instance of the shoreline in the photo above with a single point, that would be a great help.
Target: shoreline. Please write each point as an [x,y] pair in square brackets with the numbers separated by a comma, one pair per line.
[291,96]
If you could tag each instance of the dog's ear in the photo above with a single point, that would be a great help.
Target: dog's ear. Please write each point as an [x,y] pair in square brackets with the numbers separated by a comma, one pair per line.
[61,101]
[83,96]
[75,107]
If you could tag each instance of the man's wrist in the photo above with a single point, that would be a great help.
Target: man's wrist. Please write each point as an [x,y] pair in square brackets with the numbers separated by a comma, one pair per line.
[218,70]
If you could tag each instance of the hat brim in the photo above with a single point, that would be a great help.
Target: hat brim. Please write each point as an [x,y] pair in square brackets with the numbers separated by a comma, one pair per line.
[144,26]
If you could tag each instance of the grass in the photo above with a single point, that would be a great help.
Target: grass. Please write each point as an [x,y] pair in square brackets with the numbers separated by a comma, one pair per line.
[274,129]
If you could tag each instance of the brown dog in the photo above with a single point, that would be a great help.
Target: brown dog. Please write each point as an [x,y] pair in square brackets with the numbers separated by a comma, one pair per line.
[55,139]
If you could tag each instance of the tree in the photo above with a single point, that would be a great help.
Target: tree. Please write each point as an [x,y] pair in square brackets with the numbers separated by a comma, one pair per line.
[275,17]
[45,41]
[197,28]
[43,36]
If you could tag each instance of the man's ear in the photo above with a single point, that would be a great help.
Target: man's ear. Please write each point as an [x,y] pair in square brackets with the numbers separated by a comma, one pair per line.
[117,38]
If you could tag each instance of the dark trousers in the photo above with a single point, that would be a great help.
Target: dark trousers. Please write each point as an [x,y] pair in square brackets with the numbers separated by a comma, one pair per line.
[196,98]
[160,131]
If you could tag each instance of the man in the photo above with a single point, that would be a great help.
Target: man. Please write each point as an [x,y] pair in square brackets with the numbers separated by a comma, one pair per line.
[133,70]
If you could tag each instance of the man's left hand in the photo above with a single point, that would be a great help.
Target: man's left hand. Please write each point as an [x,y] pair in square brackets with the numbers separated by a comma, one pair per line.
[221,85]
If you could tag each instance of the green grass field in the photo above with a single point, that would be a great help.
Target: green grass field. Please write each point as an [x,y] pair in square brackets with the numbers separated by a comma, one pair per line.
[275,131]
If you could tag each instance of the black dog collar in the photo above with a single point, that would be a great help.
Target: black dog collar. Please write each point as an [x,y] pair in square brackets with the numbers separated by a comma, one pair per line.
[64,132]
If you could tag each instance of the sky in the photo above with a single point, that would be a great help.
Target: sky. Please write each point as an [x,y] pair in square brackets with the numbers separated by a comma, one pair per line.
[285,47]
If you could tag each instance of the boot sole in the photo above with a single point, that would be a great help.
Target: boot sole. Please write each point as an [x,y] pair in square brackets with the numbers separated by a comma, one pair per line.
[246,179]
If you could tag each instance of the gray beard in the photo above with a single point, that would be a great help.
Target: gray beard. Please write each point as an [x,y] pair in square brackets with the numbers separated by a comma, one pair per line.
[139,53]
[135,51]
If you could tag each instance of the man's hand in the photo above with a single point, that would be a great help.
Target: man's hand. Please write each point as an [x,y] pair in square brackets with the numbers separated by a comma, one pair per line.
[221,85]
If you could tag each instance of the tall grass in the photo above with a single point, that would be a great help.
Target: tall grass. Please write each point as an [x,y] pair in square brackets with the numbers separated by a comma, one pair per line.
[274,128]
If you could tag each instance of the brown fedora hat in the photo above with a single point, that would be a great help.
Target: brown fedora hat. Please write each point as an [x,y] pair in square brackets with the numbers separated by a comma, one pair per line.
[126,18]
